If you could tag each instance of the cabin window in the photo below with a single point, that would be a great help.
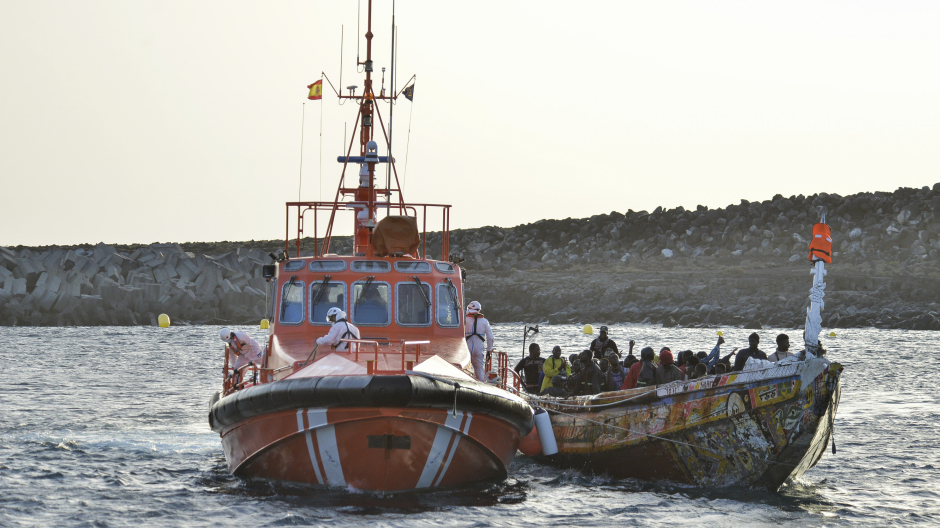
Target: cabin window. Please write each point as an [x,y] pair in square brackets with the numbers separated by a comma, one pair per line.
[448,305]
[327,265]
[293,265]
[292,302]
[444,267]
[332,296]
[378,266]
[411,266]
[413,306]
[370,303]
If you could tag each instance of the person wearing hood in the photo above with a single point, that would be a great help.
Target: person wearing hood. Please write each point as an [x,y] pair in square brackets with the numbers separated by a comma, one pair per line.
[556,389]
[479,337]
[590,380]
[556,365]
[603,345]
[242,348]
[667,371]
[783,348]
[642,374]
[751,351]
[341,329]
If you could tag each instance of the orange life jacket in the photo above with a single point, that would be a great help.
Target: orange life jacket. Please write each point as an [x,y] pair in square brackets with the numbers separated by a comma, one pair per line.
[820,247]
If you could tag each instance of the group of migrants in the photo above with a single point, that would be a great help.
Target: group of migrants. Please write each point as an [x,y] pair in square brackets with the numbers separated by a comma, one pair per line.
[599,368]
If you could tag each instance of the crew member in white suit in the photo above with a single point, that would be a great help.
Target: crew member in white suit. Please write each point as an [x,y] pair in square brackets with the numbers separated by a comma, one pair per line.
[341,329]
[478,333]
[242,348]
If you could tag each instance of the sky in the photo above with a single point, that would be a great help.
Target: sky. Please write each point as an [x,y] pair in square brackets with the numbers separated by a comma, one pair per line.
[137,122]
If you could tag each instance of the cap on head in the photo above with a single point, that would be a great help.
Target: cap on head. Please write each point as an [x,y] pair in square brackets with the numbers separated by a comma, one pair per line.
[474,307]
[603,329]
[558,381]
[225,334]
[665,358]
[647,353]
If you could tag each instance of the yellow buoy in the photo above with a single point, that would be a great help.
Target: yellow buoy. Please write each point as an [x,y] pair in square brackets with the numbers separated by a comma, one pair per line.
[265,324]
[720,333]
[832,334]
[163,320]
[588,329]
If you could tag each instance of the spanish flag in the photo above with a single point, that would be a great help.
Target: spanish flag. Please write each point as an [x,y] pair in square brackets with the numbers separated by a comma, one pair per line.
[316,90]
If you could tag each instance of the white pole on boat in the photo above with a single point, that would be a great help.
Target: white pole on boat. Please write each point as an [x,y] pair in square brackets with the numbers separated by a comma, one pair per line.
[813,325]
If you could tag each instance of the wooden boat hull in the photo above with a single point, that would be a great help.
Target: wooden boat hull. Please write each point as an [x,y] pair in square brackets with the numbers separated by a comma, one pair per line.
[410,443]
[743,429]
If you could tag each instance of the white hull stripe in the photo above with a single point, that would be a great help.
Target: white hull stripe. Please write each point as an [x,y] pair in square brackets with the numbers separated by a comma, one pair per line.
[310,450]
[443,449]
[329,451]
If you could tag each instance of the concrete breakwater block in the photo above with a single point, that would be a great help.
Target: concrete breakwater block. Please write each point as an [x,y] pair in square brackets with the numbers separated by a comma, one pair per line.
[101,286]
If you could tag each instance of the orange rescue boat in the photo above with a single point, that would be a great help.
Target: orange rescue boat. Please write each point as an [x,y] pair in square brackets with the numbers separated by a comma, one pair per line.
[401,409]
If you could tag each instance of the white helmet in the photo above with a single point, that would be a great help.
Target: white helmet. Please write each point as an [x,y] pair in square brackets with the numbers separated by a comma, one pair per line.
[474,307]
[335,314]
[225,334]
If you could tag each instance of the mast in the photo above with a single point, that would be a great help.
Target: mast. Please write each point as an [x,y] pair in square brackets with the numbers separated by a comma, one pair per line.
[813,325]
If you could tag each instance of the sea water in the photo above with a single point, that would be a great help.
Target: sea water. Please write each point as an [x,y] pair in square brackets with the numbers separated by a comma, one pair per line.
[108,427]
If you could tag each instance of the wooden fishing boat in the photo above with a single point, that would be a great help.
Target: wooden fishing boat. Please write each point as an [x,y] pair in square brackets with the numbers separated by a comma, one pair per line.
[401,409]
[758,427]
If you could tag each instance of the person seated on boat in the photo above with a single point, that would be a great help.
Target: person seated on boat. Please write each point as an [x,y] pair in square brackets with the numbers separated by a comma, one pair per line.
[615,373]
[643,373]
[700,371]
[667,371]
[783,348]
[629,361]
[479,337]
[590,380]
[602,345]
[242,348]
[691,361]
[530,368]
[556,389]
[341,329]
[721,368]
[554,366]
[751,351]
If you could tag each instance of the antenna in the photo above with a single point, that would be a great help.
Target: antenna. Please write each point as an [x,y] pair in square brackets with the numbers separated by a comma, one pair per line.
[391,108]
[300,175]
[341,58]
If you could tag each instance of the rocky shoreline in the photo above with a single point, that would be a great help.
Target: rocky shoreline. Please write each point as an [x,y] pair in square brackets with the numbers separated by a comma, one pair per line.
[741,265]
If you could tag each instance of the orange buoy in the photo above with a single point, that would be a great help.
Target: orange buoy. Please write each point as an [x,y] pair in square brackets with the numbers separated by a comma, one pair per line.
[820,247]
[530,445]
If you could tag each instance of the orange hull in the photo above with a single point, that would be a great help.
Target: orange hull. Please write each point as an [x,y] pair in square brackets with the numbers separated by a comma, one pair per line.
[376,449]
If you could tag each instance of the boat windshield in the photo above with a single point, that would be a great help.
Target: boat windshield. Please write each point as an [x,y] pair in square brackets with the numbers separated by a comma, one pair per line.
[448,307]
[414,307]
[333,296]
[371,305]
[292,302]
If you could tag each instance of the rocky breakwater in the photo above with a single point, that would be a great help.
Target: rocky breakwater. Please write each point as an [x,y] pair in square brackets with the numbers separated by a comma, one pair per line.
[104,286]
[745,264]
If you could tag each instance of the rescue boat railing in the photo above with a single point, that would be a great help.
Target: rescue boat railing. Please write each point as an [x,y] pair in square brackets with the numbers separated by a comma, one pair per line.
[322,244]
[235,379]
[503,371]
[411,364]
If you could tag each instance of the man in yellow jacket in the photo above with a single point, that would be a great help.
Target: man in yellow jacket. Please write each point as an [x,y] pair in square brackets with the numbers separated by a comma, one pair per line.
[553,366]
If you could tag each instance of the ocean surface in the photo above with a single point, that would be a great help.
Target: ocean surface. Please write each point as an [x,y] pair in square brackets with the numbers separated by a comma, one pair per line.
[106,427]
